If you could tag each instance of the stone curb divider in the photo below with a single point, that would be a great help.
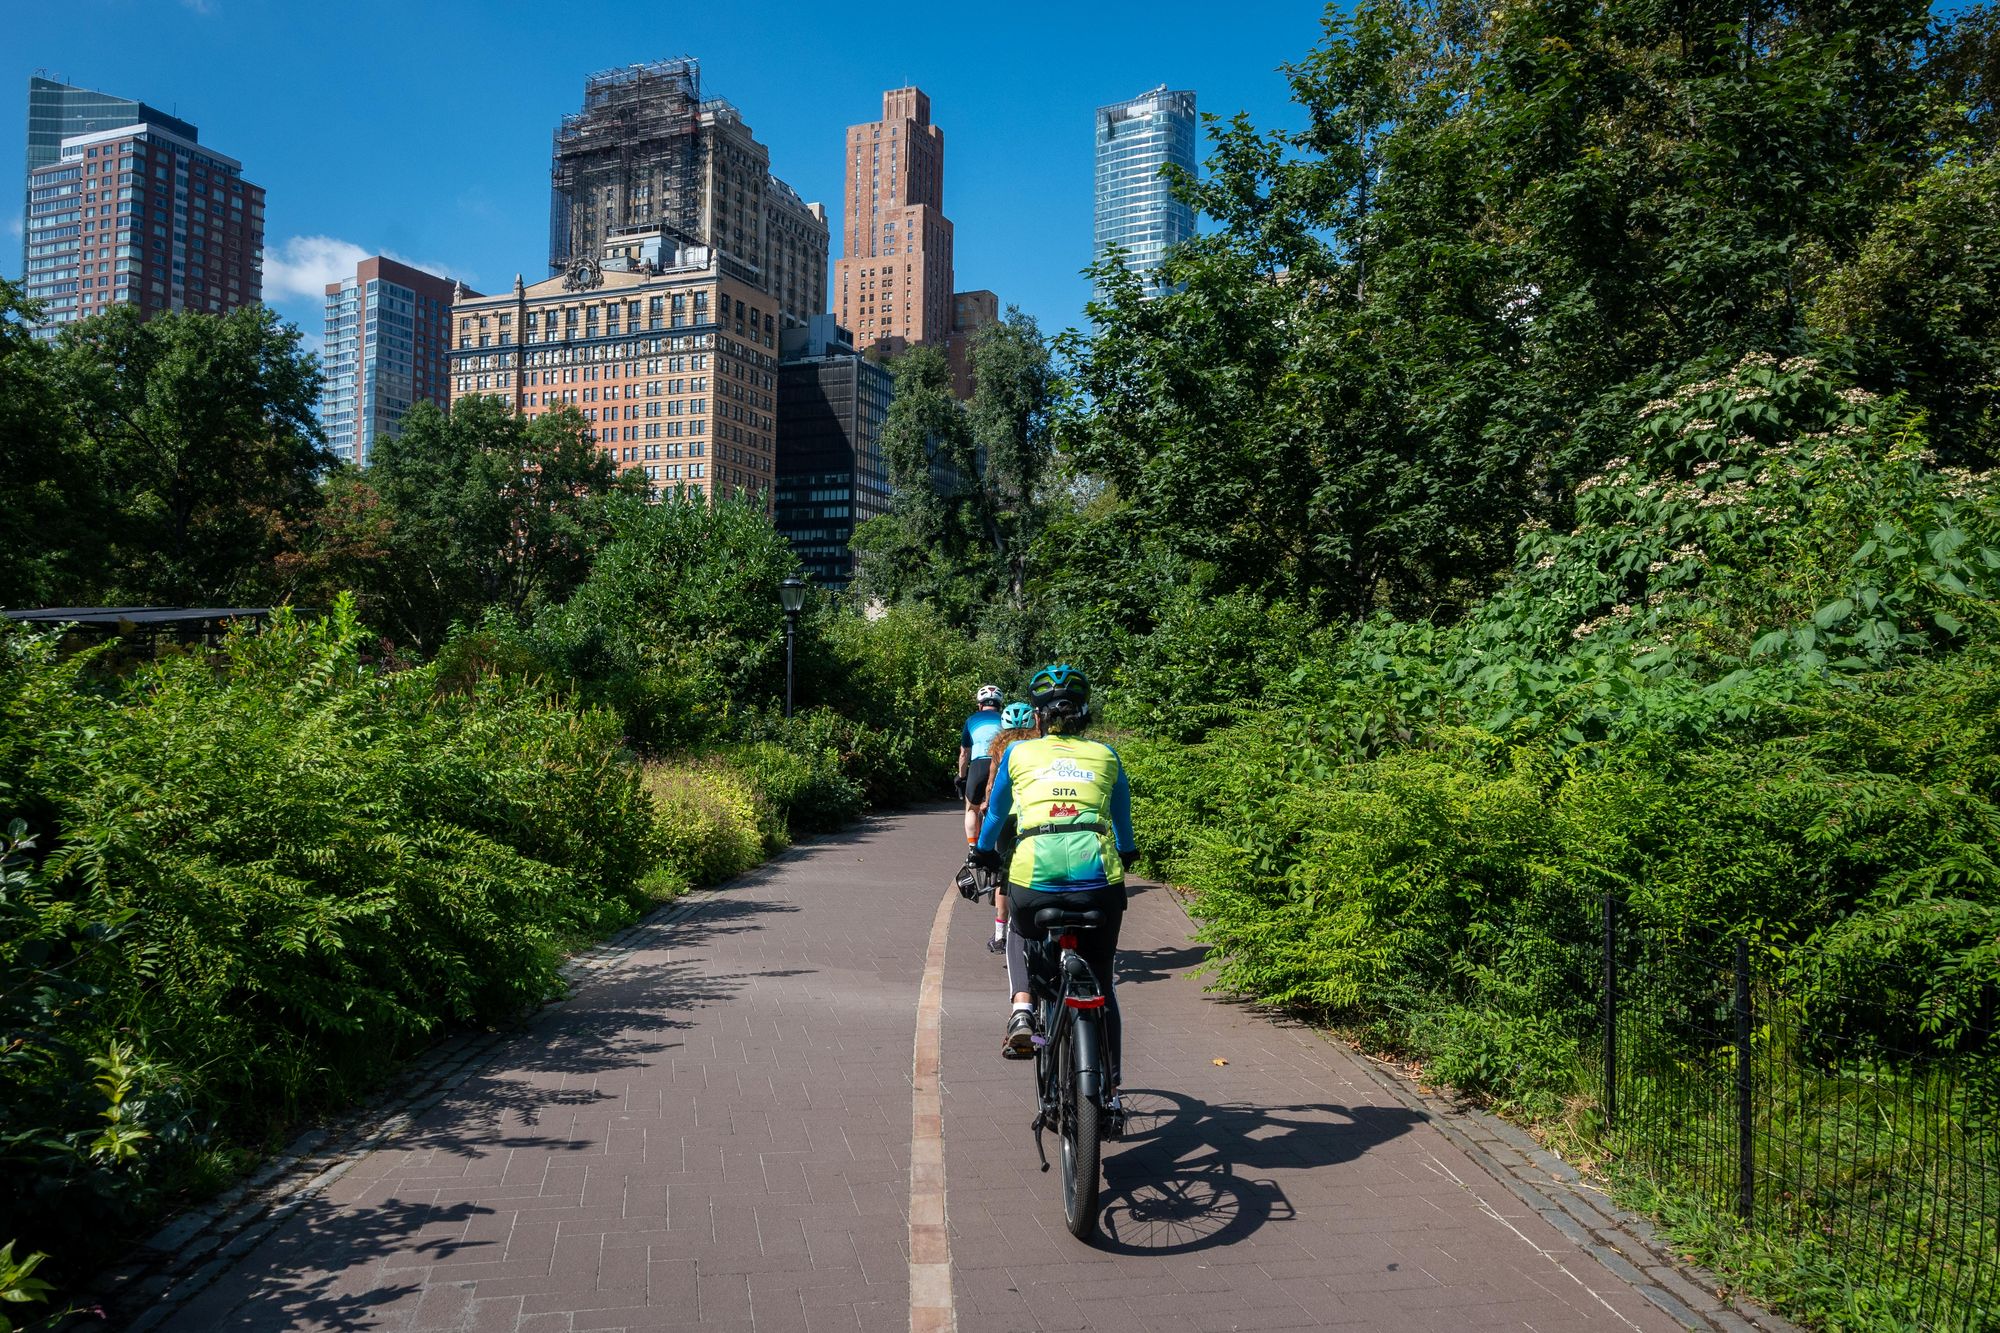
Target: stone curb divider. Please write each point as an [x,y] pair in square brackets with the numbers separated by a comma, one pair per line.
[180,1260]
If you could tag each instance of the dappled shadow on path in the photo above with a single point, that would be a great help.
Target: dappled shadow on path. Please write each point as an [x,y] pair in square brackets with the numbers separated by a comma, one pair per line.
[619,1019]
[1193,1176]
[320,1270]
[359,1265]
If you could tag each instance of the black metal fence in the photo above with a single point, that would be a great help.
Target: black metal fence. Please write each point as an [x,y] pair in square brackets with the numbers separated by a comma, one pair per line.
[1748,1086]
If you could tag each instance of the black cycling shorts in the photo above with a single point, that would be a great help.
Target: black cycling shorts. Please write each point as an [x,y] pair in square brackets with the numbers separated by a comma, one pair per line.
[976,774]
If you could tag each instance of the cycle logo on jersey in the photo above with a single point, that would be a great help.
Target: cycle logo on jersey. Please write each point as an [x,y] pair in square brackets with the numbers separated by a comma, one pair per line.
[1057,811]
[1064,770]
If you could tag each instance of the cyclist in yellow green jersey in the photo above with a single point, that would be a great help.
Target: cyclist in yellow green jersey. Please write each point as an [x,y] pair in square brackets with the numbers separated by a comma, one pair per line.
[1072,808]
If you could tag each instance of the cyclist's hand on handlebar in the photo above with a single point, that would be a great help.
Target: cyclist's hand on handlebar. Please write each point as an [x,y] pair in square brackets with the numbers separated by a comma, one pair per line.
[984,859]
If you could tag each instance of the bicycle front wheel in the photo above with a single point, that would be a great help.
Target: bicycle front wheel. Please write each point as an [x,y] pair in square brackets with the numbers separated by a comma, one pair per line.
[1080,1131]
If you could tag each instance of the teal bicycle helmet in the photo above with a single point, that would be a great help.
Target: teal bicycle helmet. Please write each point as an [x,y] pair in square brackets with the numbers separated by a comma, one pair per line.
[1062,689]
[1015,716]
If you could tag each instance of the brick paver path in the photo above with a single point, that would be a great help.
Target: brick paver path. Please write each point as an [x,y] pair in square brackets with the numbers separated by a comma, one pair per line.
[716,1132]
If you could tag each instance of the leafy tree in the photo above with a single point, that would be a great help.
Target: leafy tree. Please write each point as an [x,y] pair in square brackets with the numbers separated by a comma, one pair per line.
[1422,316]
[1920,301]
[677,623]
[967,478]
[485,510]
[51,527]
[200,430]
[1962,62]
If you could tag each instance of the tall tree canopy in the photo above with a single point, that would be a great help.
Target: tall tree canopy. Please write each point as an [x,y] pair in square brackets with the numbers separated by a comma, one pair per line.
[1421,317]
[472,510]
[967,477]
[52,527]
[200,447]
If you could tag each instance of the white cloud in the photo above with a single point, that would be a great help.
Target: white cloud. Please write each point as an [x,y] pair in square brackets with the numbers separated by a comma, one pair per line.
[304,266]
[16,228]
[199,6]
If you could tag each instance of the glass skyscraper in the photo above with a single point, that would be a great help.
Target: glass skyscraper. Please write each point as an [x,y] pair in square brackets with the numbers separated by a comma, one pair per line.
[1136,208]
[832,404]
[388,329]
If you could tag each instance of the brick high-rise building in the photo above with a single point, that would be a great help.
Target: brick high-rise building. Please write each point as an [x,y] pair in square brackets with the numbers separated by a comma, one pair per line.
[142,215]
[388,336]
[649,154]
[894,278]
[57,111]
[970,312]
[671,359]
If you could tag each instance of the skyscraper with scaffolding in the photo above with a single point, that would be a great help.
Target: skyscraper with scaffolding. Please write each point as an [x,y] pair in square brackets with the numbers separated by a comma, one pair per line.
[649,153]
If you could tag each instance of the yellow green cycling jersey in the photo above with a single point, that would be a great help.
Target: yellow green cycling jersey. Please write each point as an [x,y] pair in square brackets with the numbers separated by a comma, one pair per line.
[1072,809]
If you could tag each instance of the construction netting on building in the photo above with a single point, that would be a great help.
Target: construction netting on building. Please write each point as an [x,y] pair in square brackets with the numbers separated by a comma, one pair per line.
[629,159]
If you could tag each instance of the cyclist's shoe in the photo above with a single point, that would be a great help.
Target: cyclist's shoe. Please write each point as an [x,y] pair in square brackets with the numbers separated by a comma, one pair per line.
[996,944]
[1019,1043]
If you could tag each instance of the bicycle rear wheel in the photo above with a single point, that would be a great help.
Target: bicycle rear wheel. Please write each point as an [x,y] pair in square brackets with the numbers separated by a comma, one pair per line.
[1080,1133]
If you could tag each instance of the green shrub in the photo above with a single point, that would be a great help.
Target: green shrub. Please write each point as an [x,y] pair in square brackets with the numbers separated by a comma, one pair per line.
[907,679]
[677,626]
[815,771]
[713,821]
[273,871]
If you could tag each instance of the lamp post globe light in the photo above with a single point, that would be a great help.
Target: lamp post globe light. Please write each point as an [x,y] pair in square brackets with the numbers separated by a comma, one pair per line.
[792,597]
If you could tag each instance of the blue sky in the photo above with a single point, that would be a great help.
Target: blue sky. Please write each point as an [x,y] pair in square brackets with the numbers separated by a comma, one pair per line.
[421,128]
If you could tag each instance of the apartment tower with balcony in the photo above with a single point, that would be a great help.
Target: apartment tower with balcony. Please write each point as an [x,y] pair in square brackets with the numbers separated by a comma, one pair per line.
[141,215]
[388,339]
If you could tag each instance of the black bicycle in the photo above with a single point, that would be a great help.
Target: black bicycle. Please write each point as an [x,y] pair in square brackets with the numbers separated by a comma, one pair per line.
[1070,1060]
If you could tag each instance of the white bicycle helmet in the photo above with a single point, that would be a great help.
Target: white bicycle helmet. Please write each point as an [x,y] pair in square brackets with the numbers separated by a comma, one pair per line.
[989,696]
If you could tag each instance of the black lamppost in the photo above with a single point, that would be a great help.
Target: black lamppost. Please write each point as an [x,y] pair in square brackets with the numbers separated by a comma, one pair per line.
[791,596]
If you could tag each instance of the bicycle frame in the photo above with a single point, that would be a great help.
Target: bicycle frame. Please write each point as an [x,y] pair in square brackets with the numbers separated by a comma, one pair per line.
[1069,1077]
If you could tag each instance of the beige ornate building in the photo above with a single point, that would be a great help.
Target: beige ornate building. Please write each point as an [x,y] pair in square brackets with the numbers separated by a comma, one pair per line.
[648,153]
[671,360]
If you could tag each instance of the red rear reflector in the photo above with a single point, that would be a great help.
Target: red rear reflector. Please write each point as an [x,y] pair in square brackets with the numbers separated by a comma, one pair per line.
[1066,941]
[1084,1001]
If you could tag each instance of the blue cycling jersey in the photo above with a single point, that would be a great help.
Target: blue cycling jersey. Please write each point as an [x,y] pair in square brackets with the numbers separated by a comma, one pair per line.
[978,732]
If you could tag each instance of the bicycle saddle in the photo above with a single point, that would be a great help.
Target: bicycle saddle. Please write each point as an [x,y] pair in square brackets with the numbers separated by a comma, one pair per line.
[1061,918]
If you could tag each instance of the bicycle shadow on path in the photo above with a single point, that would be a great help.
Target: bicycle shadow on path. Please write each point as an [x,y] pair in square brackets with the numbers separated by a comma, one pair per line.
[1190,1175]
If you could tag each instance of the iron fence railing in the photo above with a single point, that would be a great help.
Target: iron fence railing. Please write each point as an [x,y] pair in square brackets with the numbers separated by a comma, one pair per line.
[1748,1086]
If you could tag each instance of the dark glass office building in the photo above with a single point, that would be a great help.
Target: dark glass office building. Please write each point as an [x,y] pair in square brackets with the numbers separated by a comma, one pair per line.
[831,476]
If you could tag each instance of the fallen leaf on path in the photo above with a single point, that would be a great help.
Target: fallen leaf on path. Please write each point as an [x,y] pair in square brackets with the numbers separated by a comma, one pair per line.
[1218,1062]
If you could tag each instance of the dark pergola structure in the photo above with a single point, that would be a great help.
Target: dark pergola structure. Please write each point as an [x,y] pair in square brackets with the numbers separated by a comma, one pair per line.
[186,624]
